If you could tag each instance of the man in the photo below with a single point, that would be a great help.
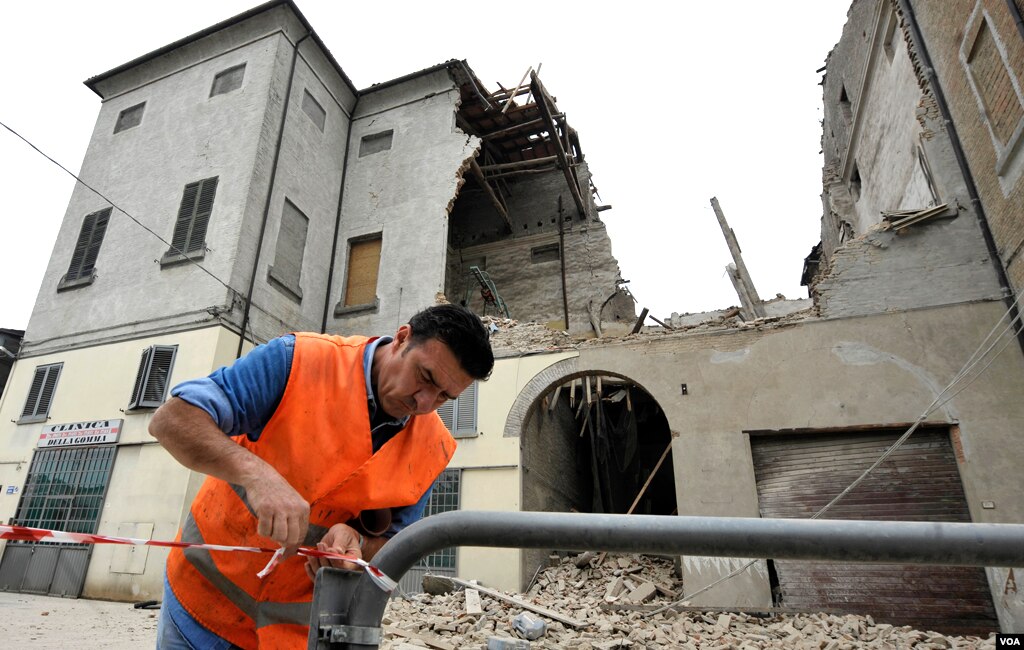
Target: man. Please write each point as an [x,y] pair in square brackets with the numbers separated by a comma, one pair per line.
[333,426]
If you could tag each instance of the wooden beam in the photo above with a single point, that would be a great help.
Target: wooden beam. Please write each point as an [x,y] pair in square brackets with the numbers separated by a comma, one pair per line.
[544,103]
[543,611]
[650,478]
[519,164]
[512,129]
[516,91]
[479,174]
[640,321]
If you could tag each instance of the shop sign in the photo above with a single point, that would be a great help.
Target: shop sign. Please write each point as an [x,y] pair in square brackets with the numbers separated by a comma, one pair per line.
[94,432]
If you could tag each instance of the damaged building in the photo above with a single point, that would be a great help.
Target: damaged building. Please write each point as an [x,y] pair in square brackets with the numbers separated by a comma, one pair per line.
[327,208]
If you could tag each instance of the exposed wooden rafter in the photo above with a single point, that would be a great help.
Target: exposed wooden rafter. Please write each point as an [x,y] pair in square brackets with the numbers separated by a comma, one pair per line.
[545,104]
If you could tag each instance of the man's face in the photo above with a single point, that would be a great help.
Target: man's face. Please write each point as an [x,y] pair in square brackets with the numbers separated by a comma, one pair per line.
[417,379]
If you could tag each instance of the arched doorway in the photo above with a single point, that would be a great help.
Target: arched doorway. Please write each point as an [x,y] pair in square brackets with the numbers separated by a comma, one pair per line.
[592,441]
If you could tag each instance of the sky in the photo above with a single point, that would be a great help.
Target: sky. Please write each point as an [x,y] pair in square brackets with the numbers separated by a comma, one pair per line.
[674,103]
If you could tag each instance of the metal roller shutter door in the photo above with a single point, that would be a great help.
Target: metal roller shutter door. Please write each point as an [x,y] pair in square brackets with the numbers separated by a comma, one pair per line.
[798,474]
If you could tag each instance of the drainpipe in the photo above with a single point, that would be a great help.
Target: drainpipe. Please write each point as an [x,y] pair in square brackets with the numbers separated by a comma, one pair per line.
[337,218]
[348,607]
[1015,14]
[972,190]
[561,260]
[270,194]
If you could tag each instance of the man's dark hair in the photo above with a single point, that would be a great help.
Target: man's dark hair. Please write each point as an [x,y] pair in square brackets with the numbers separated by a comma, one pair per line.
[463,333]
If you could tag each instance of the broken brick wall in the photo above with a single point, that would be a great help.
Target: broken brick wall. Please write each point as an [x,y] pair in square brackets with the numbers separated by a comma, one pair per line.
[885,150]
[977,52]
[525,264]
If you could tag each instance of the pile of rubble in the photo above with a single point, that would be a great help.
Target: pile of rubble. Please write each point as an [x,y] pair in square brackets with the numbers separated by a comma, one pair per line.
[513,336]
[583,603]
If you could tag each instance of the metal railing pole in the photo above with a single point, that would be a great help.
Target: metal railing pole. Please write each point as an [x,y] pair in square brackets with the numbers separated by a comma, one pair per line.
[938,543]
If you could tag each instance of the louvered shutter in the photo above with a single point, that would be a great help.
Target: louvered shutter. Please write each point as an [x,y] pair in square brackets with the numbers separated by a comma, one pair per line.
[140,378]
[185,214]
[197,236]
[87,248]
[99,228]
[447,413]
[40,393]
[465,413]
[152,379]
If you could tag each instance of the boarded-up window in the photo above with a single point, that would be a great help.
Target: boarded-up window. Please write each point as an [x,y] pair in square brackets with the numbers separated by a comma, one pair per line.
[363,263]
[151,381]
[129,117]
[40,393]
[193,217]
[993,84]
[228,80]
[87,248]
[459,414]
[291,245]
[314,110]
[375,142]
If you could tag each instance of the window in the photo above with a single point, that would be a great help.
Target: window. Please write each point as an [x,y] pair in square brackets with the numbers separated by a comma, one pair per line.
[375,142]
[363,264]
[64,488]
[547,253]
[444,498]
[193,217]
[997,92]
[151,382]
[228,80]
[459,414]
[888,41]
[291,244]
[40,394]
[129,117]
[81,270]
[314,110]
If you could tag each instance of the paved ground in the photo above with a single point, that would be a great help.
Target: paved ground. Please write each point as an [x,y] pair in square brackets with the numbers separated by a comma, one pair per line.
[54,623]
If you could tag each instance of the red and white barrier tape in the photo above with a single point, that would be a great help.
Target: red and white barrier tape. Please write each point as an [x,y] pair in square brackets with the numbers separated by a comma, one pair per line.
[26,534]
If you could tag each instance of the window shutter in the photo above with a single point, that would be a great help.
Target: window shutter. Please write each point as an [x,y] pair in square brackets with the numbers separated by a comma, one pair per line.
[140,378]
[33,392]
[99,228]
[197,238]
[87,248]
[291,245]
[194,216]
[363,263]
[447,413]
[152,379]
[185,212]
[465,411]
[40,393]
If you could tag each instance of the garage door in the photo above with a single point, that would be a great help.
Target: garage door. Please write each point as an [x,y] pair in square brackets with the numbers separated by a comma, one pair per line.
[798,474]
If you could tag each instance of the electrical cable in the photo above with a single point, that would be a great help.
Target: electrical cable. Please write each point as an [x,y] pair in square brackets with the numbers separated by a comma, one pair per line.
[170,245]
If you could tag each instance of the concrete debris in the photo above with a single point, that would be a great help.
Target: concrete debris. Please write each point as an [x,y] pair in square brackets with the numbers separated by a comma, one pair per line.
[580,592]
[515,336]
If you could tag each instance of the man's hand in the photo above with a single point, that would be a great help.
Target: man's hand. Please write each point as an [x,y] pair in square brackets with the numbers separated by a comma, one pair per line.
[341,539]
[188,434]
[282,512]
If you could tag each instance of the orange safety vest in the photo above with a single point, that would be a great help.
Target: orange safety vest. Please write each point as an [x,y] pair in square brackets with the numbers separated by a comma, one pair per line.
[319,440]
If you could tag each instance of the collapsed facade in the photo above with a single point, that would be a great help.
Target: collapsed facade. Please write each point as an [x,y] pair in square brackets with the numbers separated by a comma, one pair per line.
[340,210]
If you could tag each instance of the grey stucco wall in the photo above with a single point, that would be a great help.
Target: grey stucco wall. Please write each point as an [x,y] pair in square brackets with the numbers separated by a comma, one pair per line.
[185,136]
[403,194]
